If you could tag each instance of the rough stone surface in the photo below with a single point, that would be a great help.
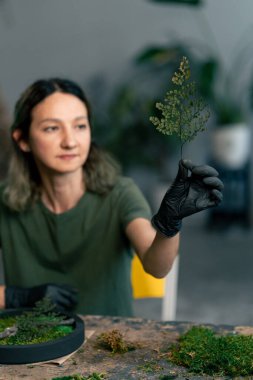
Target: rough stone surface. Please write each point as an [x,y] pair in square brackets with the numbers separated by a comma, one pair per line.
[148,361]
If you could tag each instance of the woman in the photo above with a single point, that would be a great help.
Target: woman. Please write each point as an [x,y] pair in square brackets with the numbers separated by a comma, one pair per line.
[68,219]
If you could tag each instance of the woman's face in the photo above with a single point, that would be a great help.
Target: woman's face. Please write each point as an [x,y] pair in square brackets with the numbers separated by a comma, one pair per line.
[59,136]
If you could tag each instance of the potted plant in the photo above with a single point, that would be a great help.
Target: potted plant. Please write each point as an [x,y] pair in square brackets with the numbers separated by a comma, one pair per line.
[231,136]
[232,108]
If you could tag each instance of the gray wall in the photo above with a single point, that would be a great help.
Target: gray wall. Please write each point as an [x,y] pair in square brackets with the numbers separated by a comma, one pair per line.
[80,39]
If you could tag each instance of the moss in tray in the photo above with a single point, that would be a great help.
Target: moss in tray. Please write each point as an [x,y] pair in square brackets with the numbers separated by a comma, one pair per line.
[40,324]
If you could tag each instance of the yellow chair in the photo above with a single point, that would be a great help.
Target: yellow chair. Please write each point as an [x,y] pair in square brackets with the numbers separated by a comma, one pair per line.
[144,285]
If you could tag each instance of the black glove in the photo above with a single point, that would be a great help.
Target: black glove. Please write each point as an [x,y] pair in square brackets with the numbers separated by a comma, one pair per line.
[63,296]
[187,195]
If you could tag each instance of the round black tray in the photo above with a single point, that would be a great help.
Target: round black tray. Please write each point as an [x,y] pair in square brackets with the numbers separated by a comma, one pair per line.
[31,353]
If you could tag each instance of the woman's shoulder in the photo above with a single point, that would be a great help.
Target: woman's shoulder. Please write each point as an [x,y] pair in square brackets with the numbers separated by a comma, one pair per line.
[130,200]
[127,188]
[124,183]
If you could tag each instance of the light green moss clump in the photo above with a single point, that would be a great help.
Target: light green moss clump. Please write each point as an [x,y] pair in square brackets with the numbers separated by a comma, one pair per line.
[204,352]
[113,341]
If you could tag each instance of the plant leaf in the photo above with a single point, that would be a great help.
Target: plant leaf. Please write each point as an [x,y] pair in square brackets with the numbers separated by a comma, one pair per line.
[183,112]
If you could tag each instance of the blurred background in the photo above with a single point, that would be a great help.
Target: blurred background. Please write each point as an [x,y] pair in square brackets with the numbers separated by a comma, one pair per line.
[123,55]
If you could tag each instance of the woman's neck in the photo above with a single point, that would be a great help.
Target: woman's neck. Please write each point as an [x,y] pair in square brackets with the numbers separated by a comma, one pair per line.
[60,194]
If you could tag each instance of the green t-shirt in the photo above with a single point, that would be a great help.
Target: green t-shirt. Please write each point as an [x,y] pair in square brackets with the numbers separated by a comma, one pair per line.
[85,247]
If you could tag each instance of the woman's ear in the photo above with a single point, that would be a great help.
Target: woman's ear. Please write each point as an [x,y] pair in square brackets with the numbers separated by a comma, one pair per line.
[17,137]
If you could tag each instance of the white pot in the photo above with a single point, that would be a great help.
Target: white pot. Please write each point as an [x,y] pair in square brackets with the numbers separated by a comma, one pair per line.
[230,145]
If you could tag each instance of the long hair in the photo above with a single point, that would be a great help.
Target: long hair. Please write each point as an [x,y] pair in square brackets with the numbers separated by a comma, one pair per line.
[23,180]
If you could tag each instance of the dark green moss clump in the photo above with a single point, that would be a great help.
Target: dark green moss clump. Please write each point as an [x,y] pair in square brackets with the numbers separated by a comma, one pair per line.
[203,352]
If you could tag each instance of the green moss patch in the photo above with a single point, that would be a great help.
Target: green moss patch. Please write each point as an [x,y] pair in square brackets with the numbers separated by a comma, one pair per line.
[39,325]
[6,322]
[204,352]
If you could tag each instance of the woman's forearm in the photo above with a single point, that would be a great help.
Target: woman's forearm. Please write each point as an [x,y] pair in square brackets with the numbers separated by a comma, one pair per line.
[159,257]
[156,251]
[2,296]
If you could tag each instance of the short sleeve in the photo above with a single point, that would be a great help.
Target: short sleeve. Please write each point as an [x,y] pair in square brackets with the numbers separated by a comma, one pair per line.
[131,201]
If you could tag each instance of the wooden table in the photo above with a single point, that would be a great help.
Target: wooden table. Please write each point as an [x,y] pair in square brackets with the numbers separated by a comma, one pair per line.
[147,361]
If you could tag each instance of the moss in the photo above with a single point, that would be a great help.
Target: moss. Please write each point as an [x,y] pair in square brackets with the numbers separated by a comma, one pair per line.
[36,326]
[113,341]
[37,336]
[150,367]
[93,376]
[6,322]
[204,352]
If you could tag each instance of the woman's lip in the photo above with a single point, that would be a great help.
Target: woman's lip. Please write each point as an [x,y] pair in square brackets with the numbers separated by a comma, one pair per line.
[67,156]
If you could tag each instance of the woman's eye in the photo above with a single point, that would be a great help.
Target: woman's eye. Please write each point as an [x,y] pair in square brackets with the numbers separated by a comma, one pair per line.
[81,126]
[51,128]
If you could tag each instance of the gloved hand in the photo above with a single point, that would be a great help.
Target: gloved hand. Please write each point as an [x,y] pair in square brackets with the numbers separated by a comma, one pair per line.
[63,296]
[188,195]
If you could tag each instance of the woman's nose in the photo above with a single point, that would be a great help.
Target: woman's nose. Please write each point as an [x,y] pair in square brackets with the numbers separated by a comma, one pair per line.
[68,139]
